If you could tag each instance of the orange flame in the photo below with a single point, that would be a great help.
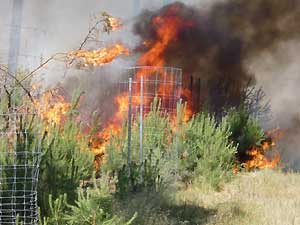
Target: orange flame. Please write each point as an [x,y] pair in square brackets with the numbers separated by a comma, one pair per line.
[167,29]
[188,112]
[52,107]
[98,57]
[259,160]
[258,153]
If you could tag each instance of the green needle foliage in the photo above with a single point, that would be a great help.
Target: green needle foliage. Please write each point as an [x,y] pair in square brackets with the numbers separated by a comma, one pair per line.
[66,161]
[245,131]
[209,154]
[156,145]
[93,206]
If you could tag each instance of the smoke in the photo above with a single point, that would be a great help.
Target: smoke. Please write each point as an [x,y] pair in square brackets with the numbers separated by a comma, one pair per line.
[231,43]
[278,73]
[222,40]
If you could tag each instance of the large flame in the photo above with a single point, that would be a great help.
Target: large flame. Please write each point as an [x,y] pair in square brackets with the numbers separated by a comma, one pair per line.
[113,126]
[167,30]
[98,57]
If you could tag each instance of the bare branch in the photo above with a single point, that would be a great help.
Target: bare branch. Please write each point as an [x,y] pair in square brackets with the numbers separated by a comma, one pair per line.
[4,69]
[41,66]
[104,20]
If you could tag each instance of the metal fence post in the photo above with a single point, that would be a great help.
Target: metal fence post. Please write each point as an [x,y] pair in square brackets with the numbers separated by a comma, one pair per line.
[129,125]
[141,131]
[178,130]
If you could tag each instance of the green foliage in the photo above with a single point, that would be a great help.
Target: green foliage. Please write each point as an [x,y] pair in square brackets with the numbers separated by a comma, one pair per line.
[202,150]
[144,177]
[92,206]
[245,130]
[66,161]
[19,158]
[156,133]
[209,155]
[57,208]
[156,144]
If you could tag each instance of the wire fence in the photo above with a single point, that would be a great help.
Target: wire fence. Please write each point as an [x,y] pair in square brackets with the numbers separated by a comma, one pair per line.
[20,155]
[149,89]
[20,152]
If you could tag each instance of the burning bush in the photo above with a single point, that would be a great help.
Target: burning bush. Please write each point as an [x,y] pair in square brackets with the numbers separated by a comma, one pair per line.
[251,140]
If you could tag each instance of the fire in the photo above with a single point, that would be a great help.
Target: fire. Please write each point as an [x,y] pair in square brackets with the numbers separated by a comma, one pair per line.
[167,28]
[259,159]
[188,112]
[113,127]
[100,141]
[52,107]
[98,57]
[258,153]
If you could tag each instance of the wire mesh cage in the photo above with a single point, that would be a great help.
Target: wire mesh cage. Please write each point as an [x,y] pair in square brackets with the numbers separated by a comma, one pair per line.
[150,96]
[148,82]
[20,152]
[20,155]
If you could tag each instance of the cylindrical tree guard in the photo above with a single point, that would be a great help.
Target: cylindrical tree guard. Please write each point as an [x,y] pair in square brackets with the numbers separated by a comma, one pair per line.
[20,152]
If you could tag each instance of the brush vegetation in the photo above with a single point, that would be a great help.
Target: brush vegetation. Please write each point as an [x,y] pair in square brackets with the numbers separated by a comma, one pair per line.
[185,176]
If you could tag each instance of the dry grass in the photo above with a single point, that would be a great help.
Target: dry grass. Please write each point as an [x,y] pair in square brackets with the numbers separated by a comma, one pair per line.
[275,195]
[258,198]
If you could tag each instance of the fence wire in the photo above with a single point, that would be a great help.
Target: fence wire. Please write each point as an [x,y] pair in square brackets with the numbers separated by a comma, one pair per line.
[152,95]
[20,155]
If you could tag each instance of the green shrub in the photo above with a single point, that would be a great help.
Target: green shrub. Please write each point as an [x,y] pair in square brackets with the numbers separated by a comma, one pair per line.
[208,152]
[245,131]
[66,161]
[156,144]
[92,206]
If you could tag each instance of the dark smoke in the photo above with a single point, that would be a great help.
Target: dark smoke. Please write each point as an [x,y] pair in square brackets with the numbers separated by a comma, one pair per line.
[217,47]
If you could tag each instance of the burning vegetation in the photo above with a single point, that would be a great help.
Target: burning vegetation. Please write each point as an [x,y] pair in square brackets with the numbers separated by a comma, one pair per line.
[200,122]
[52,107]
[98,57]
[213,46]
[259,159]
[179,35]
[208,46]
[265,155]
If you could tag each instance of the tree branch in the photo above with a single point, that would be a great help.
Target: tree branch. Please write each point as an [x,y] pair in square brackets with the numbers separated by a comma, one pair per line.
[18,82]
